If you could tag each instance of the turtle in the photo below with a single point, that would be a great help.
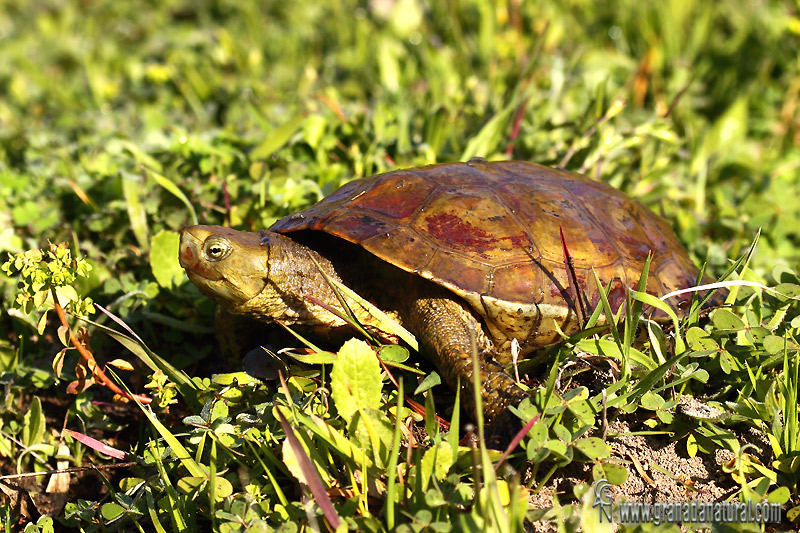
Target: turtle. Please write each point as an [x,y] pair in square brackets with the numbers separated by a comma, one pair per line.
[493,256]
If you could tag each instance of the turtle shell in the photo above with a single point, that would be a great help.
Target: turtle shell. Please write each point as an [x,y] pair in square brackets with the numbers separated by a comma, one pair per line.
[492,233]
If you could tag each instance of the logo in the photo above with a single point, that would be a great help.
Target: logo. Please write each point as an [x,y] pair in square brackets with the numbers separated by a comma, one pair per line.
[603,498]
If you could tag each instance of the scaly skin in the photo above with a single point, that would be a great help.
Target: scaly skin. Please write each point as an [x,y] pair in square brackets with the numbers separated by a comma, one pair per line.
[270,277]
[442,325]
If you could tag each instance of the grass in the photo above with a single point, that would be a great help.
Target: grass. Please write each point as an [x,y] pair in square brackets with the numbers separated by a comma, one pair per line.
[122,122]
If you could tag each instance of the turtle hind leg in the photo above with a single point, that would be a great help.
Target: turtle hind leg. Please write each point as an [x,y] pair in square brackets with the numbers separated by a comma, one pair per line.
[448,332]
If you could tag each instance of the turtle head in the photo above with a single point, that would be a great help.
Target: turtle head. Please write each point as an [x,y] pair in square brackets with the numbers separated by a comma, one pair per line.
[265,275]
[228,266]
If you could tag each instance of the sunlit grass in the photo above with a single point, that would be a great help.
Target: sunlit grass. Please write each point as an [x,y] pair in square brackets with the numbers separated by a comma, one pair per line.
[122,122]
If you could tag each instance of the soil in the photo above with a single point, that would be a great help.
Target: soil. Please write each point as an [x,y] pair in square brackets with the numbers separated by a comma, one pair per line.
[686,478]
[659,470]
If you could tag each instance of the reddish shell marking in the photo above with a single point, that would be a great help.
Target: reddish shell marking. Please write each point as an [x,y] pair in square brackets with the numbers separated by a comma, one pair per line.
[452,228]
[358,224]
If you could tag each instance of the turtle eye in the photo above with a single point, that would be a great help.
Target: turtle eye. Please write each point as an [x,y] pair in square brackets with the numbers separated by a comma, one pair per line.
[217,248]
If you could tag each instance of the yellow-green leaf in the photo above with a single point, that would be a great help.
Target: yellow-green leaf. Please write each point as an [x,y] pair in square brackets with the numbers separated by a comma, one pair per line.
[190,484]
[277,138]
[164,259]
[34,424]
[593,447]
[42,324]
[132,189]
[122,364]
[111,511]
[356,379]
[436,463]
[174,190]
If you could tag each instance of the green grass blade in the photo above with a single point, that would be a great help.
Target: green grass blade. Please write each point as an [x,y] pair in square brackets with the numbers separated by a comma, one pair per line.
[152,511]
[277,138]
[133,190]
[172,497]
[633,308]
[394,458]
[173,189]
[607,311]
[651,300]
[390,325]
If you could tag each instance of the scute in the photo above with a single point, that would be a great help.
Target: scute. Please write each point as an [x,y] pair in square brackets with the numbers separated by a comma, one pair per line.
[398,199]
[491,232]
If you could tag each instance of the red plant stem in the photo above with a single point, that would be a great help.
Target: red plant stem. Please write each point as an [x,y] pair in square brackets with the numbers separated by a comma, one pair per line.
[515,129]
[97,372]
[227,201]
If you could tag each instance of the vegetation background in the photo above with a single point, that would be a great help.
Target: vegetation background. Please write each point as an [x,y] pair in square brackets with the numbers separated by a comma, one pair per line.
[121,122]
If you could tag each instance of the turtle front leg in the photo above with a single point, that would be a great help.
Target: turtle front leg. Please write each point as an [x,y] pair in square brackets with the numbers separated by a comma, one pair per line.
[442,325]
